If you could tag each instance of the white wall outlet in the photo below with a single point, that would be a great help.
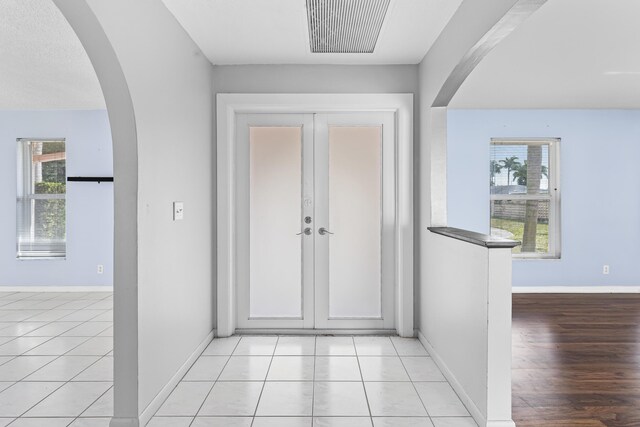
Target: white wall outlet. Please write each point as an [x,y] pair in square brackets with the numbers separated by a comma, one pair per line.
[178,211]
[100,269]
[605,269]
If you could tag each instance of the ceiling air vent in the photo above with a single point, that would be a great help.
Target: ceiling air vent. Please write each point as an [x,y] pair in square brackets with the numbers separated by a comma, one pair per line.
[345,26]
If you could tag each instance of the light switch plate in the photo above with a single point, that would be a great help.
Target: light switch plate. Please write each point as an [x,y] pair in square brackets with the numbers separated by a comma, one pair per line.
[178,211]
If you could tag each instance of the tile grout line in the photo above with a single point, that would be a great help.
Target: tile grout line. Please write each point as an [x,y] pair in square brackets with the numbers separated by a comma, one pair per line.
[24,379]
[26,299]
[215,381]
[265,380]
[56,357]
[411,380]
[445,381]
[71,336]
[62,334]
[103,356]
[47,323]
[313,380]
[38,402]
[92,364]
[92,403]
[366,396]
[23,353]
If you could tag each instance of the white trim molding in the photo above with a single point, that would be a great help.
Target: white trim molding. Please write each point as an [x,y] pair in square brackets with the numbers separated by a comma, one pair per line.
[124,422]
[157,401]
[27,288]
[453,381]
[459,389]
[229,105]
[576,289]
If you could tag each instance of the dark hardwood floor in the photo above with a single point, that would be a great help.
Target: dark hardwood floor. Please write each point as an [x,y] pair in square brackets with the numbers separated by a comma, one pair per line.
[576,360]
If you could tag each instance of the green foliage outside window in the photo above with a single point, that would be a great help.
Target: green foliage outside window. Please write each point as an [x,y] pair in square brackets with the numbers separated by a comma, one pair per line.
[50,214]
[54,171]
[50,188]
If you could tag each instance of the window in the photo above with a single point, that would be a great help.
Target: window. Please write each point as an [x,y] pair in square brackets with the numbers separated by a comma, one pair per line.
[41,204]
[525,195]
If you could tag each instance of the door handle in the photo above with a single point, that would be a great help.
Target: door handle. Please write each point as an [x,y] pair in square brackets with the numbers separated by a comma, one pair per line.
[306,231]
[323,231]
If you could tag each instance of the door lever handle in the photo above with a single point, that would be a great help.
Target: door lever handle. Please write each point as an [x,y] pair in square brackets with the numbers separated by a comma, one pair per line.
[323,231]
[306,231]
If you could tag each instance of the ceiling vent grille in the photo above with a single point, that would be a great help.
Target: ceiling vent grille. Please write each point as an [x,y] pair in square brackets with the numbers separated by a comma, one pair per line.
[345,26]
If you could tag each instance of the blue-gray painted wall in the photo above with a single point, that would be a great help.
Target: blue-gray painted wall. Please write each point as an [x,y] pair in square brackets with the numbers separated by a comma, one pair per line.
[600,186]
[89,205]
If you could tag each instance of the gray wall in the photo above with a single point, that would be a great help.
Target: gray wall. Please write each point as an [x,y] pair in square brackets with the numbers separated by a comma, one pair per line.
[164,111]
[316,79]
[175,152]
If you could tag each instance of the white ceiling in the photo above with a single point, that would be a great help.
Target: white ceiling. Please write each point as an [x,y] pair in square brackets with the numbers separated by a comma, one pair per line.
[275,31]
[569,54]
[43,65]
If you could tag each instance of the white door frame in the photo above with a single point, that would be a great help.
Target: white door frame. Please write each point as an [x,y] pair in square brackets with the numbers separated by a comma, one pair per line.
[229,105]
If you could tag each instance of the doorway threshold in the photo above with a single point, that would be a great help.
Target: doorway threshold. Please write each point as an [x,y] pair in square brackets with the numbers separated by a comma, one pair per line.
[318,332]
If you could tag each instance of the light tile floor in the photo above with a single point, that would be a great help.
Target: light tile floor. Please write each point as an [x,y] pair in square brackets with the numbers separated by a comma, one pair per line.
[313,382]
[56,369]
[56,362]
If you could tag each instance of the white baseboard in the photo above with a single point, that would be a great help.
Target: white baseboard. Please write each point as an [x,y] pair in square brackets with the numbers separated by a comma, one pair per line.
[462,394]
[157,401]
[124,422]
[576,289]
[28,288]
[457,387]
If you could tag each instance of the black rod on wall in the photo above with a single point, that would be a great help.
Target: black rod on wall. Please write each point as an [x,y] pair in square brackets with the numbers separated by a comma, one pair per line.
[97,179]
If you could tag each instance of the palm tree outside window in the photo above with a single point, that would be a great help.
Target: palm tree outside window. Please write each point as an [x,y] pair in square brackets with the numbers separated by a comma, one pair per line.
[525,195]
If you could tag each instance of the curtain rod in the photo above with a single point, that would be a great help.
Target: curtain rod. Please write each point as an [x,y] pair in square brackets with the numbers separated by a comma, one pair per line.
[97,179]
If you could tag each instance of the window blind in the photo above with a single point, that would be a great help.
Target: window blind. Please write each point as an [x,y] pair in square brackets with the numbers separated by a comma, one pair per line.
[41,199]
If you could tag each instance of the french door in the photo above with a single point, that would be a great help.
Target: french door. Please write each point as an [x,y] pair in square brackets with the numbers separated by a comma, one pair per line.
[316,220]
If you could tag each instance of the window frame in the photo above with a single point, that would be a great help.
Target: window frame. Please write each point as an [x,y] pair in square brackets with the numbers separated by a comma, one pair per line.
[25,191]
[553,196]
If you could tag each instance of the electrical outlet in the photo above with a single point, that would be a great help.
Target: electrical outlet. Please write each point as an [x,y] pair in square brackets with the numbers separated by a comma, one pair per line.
[100,269]
[605,269]
[178,211]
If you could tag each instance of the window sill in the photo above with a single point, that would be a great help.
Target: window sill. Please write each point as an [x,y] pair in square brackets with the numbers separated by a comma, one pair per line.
[542,258]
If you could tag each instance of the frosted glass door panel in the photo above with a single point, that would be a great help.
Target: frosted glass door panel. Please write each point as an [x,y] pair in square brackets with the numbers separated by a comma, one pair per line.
[275,182]
[355,174]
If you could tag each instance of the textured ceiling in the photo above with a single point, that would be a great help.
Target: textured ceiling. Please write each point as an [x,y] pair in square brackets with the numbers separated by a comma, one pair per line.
[275,31]
[569,54]
[43,65]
